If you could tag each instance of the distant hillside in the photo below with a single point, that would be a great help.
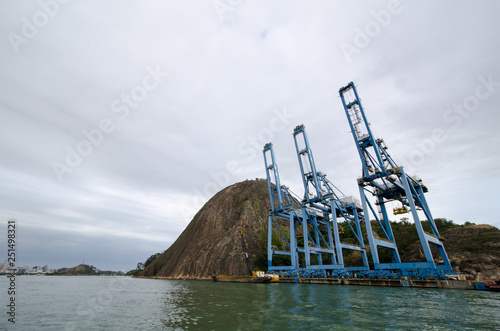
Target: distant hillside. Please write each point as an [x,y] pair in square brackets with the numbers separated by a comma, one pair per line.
[471,249]
[83,270]
[228,236]
[225,237]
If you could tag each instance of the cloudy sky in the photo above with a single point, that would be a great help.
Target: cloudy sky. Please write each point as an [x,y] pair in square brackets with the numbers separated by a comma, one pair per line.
[120,119]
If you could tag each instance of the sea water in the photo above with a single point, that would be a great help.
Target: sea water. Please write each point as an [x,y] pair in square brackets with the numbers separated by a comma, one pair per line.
[123,303]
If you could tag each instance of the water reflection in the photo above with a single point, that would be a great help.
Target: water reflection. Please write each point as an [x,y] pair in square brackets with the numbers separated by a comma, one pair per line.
[203,305]
[176,300]
[123,303]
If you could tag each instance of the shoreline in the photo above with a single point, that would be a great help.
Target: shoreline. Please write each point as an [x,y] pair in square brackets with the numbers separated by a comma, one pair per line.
[414,283]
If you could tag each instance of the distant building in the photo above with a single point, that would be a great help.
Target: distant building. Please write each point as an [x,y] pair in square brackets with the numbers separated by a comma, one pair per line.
[3,267]
[25,270]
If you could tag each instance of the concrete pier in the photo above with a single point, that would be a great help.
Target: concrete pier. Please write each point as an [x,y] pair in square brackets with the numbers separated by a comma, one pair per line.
[446,284]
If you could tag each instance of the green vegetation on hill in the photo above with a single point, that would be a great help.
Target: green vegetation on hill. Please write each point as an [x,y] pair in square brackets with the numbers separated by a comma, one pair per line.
[141,266]
[470,248]
[84,270]
[405,235]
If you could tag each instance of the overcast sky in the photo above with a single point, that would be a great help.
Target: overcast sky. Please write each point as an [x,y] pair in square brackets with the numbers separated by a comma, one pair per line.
[119,119]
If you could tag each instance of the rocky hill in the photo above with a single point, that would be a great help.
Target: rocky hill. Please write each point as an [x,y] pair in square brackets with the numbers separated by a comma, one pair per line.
[228,236]
[225,237]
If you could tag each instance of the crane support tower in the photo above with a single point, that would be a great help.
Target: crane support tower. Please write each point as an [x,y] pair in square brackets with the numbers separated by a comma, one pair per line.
[323,205]
[386,182]
[284,208]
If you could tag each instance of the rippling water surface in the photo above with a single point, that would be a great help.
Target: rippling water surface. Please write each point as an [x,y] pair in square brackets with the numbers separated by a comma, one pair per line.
[123,303]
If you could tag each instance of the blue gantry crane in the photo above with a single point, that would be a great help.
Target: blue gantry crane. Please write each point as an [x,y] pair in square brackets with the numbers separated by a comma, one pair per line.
[322,206]
[282,218]
[310,227]
[383,179]
[303,235]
